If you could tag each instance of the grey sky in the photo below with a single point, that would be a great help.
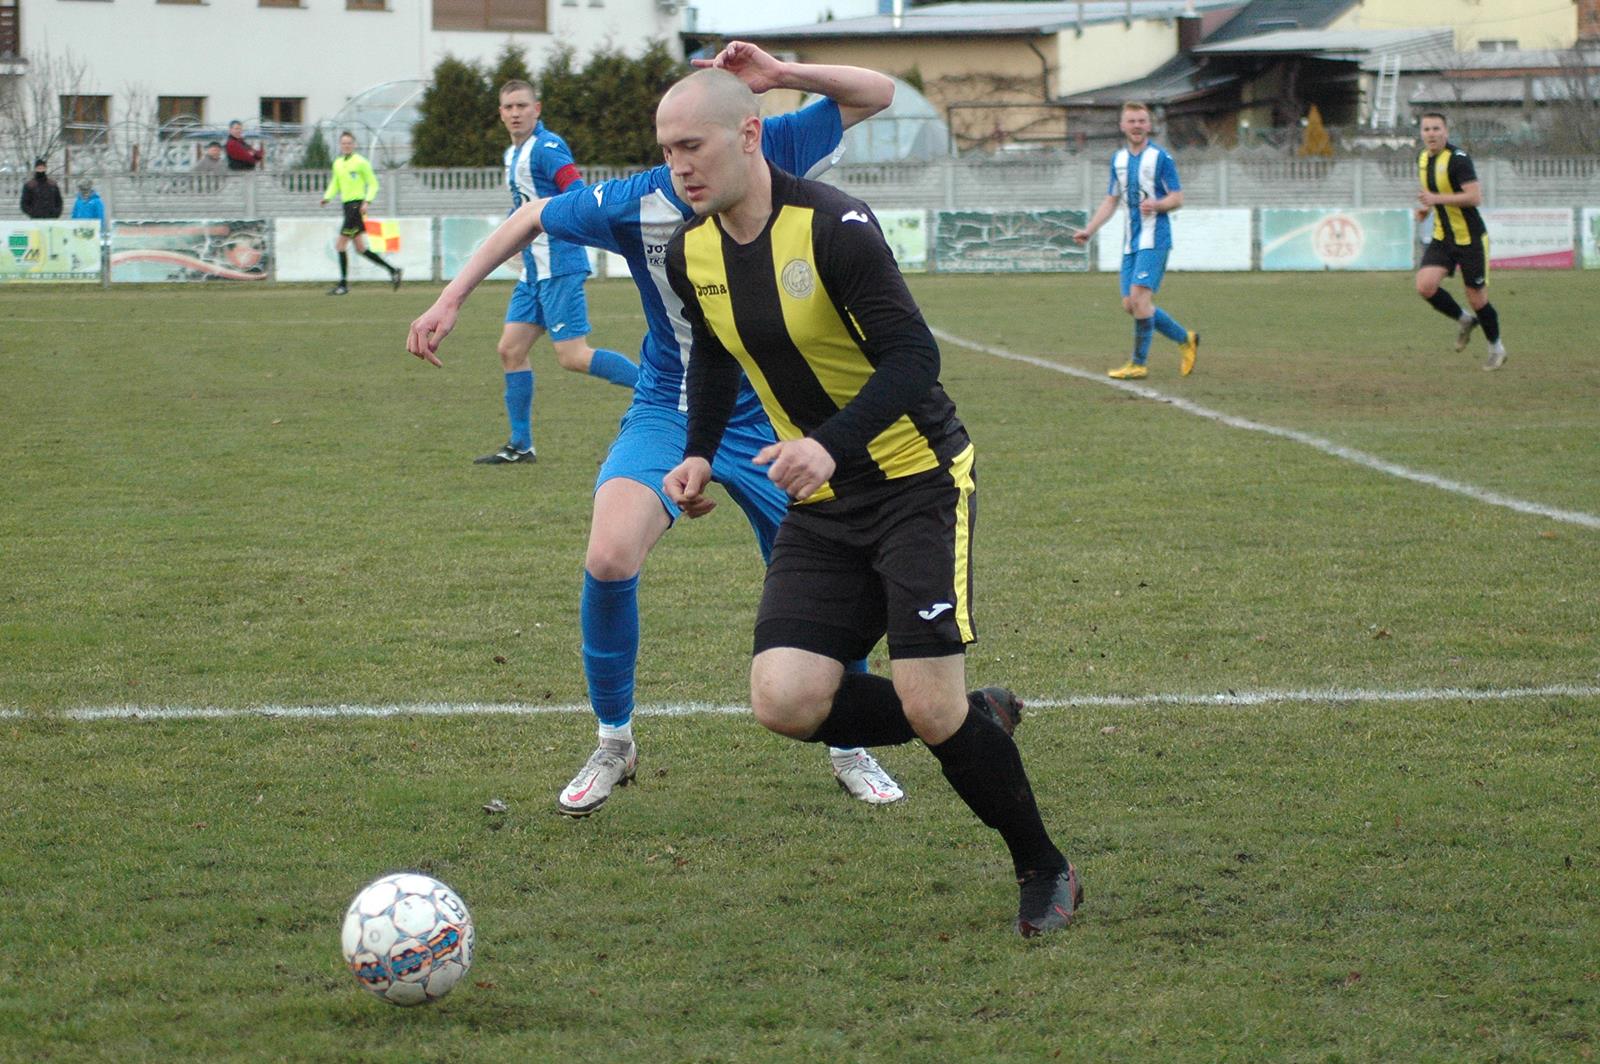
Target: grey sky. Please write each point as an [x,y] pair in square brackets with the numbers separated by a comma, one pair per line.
[766,14]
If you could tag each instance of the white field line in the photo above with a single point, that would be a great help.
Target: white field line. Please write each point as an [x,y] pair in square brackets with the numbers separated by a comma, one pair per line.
[1309,696]
[1337,450]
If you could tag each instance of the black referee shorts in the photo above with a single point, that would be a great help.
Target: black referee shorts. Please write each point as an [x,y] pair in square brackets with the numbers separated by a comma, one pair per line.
[895,558]
[355,223]
[1473,259]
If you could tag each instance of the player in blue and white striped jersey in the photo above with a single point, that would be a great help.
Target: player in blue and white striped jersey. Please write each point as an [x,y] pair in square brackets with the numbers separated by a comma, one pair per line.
[1145,180]
[635,217]
[549,293]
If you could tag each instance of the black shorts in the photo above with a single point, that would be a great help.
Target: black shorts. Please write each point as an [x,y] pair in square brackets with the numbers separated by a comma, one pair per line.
[895,558]
[355,223]
[1473,259]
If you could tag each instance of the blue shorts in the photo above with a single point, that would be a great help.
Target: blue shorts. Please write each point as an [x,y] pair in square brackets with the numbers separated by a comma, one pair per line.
[650,443]
[1144,268]
[555,304]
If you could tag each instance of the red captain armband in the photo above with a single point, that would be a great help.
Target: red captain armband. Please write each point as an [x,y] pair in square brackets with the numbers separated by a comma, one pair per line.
[567,175]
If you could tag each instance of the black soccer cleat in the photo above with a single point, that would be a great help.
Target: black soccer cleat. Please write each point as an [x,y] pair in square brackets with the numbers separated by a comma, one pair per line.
[339,290]
[507,455]
[394,278]
[999,704]
[1050,901]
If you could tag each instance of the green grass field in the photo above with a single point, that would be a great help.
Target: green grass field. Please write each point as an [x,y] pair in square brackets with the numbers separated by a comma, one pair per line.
[231,499]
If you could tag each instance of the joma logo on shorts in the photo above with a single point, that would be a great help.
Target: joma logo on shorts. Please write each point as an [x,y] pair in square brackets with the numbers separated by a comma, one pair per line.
[703,290]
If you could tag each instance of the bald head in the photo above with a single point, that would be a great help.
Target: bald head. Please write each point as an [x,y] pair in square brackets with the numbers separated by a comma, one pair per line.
[714,97]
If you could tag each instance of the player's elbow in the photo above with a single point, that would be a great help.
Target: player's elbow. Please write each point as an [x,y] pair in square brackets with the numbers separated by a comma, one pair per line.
[1174,201]
[881,92]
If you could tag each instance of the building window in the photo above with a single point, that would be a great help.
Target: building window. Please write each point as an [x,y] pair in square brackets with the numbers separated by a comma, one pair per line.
[10,29]
[366,5]
[191,2]
[525,16]
[1502,45]
[85,118]
[279,3]
[180,110]
[283,110]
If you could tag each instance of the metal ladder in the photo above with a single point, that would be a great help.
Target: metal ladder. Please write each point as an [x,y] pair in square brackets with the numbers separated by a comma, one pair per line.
[1386,96]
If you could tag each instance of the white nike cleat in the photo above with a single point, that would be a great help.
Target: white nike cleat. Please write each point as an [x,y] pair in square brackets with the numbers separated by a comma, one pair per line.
[613,764]
[1464,332]
[862,777]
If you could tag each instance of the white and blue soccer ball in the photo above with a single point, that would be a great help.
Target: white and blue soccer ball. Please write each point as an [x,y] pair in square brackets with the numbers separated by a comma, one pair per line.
[408,938]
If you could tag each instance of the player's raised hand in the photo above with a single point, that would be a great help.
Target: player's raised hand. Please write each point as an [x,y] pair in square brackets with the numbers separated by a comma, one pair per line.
[685,484]
[799,467]
[429,330]
[749,64]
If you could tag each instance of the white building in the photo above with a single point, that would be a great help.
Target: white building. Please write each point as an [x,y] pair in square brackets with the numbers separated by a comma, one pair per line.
[290,62]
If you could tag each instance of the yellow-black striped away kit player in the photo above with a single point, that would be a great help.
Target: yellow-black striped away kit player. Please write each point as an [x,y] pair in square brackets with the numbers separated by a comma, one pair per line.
[792,282]
[1452,193]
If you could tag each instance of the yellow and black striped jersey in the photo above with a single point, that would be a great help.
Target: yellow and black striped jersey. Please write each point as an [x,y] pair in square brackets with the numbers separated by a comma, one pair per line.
[1446,171]
[815,312]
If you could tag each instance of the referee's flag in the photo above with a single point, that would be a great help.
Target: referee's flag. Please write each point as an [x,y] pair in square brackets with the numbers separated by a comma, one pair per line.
[383,236]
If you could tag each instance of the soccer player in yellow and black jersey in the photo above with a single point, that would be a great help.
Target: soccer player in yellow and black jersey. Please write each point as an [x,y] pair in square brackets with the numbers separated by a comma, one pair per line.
[792,282]
[1452,194]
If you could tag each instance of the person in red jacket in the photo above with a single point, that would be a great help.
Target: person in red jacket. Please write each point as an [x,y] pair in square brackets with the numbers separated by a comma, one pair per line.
[241,156]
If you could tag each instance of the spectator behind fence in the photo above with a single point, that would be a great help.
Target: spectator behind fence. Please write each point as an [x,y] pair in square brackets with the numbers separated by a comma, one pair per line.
[41,197]
[241,156]
[89,204]
[211,161]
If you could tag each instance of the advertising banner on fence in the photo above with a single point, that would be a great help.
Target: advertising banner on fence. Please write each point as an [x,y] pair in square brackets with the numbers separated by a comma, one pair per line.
[188,250]
[303,249]
[907,233]
[1008,241]
[1203,238]
[1589,234]
[460,237]
[38,249]
[1529,238]
[1332,239]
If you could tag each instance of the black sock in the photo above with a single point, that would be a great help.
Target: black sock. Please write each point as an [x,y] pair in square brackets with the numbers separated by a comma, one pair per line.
[1489,318]
[375,257]
[866,712]
[1445,304]
[344,267]
[983,765]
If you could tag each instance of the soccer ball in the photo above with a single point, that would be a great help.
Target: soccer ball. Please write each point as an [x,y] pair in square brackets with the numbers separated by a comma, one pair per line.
[408,938]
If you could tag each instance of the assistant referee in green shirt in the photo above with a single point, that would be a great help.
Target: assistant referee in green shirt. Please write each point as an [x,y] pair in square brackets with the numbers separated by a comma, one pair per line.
[355,184]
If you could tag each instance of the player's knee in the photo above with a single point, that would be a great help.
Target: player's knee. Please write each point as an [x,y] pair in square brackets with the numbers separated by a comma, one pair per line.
[1426,287]
[1128,304]
[513,354]
[611,561]
[786,703]
[574,356]
[932,715]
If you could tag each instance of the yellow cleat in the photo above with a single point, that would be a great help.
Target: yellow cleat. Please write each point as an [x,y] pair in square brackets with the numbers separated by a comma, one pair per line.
[1190,349]
[1131,372]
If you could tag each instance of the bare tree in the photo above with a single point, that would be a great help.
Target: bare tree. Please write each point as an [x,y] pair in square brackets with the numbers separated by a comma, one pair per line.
[30,112]
[1574,105]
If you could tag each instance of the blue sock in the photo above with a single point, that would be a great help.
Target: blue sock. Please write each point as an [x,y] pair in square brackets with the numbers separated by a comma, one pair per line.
[1169,328]
[618,369]
[609,614]
[519,407]
[1143,329]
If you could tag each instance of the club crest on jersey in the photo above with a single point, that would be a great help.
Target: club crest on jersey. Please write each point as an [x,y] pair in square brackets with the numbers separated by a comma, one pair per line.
[797,279]
[712,289]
